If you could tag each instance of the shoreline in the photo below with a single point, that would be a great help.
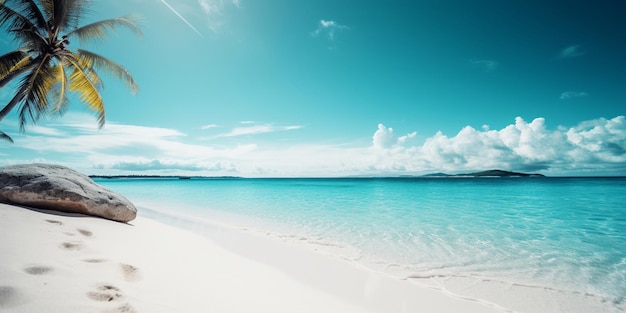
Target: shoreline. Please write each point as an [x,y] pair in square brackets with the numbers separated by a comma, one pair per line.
[505,294]
[60,262]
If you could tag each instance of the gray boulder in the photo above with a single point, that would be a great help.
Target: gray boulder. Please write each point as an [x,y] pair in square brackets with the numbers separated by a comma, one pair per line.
[59,188]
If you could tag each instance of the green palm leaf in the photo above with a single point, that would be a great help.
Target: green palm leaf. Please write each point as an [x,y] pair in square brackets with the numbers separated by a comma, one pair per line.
[35,88]
[9,62]
[59,94]
[99,30]
[65,14]
[22,27]
[30,11]
[101,63]
[85,83]
[47,69]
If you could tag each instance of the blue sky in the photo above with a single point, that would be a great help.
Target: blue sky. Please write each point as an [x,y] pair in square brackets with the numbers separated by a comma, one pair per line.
[336,88]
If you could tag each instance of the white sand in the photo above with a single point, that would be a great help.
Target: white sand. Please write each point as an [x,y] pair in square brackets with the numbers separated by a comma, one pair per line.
[54,262]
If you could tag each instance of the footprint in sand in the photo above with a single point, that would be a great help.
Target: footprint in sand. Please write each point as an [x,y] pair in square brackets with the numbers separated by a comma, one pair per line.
[38,270]
[11,297]
[85,233]
[125,308]
[130,273]
[71,246]
[95,260]
[54,222]
[105,293]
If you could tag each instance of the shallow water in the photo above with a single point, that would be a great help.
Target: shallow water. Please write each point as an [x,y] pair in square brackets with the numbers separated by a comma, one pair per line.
[567,234]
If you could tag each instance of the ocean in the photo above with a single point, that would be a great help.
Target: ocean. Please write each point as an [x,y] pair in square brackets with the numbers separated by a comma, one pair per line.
[563,235]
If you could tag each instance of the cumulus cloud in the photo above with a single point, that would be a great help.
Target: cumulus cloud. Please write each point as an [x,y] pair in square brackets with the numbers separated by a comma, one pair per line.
[520,145]
[384,138]
[597,145]
[572,52]
[328,28]
[573,94]
[598,140]
[591,147]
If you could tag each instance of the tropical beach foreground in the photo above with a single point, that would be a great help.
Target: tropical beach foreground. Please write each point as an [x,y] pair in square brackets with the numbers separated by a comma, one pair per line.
[58,262]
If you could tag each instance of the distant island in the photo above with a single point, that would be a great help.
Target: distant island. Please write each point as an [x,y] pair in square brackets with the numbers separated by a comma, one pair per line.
[489,173]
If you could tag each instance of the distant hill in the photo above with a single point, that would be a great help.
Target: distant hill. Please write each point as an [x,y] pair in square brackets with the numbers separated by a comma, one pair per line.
[489,173]
[437,175]
[501,173]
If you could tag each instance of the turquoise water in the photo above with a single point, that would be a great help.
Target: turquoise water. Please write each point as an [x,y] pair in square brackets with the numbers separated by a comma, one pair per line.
[562,233]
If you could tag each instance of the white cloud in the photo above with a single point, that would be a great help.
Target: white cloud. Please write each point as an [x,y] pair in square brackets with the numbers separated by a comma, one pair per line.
[256,129]
[403,139]
[215,11]
[573,94]
[595,147]
[598,145]
[173,166]
[572,52]
[210,7]
[599,141]
[329,28]
[384,138]
[209,126]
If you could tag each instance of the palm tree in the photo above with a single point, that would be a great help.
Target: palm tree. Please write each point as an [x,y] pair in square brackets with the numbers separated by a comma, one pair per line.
[46,68]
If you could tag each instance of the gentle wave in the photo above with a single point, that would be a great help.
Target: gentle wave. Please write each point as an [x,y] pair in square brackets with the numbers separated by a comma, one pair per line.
[561,236]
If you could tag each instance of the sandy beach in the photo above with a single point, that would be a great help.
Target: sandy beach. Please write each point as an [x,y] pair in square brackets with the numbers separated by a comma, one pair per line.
[57,262]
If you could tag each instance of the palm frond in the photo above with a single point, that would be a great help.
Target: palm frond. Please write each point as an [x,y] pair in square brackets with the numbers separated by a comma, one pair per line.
[32,93]
[9,61]
[89,70]
[64,14]
[5,137]
[46,67]
[101,63]
[22,12]
[22,88]
[36,87]
[81,81]
[23,23]
[19,96]
[23,66]
[100,29]
[31,11]
[59,94]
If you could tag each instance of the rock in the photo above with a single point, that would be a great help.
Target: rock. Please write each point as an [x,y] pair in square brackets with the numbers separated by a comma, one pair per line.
[59,188]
